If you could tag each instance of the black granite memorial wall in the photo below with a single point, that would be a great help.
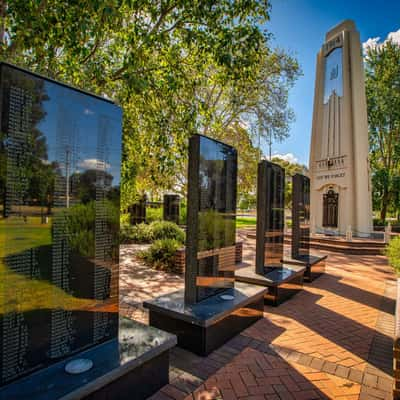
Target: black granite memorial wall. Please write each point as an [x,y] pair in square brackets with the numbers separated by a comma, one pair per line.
[60,176]
[300,254]
[282,280]
[211,309]
[270,216]
[171,207]
[211,220]
[301,216]
[137,211]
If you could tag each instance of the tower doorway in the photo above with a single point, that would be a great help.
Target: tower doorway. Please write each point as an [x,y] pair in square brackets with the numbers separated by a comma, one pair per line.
[330,209]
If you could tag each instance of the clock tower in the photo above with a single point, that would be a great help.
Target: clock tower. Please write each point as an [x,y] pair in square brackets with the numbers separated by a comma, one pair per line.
[339,167]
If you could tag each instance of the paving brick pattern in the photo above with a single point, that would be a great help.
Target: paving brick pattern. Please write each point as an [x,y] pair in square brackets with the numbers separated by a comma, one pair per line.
[332,341]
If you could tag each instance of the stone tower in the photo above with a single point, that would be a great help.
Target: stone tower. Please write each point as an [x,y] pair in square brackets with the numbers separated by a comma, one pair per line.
[339,168]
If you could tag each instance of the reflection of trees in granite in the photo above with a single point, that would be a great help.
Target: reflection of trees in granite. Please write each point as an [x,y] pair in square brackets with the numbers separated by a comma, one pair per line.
[32,175]
[216,230]
[80,228]
[85,184]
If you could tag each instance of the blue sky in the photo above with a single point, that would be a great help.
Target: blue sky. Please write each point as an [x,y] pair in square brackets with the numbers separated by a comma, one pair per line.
[299,26]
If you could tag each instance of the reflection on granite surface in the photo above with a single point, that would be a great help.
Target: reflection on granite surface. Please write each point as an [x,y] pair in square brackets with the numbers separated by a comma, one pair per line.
[207,310]
[270,215]
[301,216]
[211,232]
[278,274]
[136,339]
[137,343]
[60,151]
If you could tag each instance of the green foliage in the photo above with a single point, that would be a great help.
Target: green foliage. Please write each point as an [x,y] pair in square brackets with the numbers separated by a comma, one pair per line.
[177,68]
[154,214]
[182,214]
[290,170]
[167,230]
[147,233]
[80,223]
[379,222]
[124,218]
[216,230]
[248,201]
[161,254]
[393,253]
[245,222]
[383,103]
[140,233]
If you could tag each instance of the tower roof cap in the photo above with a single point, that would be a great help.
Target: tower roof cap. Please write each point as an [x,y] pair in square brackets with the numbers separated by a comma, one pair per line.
[346,25]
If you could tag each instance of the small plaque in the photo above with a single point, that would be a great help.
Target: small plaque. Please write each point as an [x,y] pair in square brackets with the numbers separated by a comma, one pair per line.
[78,366]
[227,297]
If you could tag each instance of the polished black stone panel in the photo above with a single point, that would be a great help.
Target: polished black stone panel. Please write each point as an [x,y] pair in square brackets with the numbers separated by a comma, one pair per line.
[282,283]
[270,215]
[207,325]
[315,266]
[137,211]
[301,216]
[60,155]
[211,227]
[132,366]
[171,207]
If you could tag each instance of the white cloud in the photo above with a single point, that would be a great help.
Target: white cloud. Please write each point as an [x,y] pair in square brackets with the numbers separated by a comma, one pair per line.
[373,43]
[93,163]
[394,37]
[290,157]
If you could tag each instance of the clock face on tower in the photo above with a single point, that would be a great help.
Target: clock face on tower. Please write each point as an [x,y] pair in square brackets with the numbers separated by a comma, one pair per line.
[333,81]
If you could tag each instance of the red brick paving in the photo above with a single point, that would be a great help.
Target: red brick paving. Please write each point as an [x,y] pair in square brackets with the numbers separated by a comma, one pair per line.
[331,341]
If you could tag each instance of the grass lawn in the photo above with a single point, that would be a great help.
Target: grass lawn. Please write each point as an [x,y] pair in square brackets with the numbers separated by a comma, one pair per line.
[18,292]
[242,222]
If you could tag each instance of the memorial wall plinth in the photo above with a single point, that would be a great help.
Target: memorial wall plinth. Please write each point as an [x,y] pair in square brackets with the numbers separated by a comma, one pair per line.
[171,206]
[282,280]
[300,249]
[60,156]
[205,314]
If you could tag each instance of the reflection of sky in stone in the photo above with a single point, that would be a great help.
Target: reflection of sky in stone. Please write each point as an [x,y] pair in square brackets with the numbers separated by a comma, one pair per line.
[212,158]
[333,74]
[82,120]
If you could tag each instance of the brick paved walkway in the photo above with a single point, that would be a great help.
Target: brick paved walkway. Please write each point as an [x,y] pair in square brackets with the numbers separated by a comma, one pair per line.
[331,341]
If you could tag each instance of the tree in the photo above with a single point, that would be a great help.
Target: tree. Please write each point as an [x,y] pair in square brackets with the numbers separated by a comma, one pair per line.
[382,64]
[177,67]
[291,168]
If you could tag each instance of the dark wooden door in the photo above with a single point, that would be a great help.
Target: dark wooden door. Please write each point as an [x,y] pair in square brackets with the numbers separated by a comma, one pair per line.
[330,212]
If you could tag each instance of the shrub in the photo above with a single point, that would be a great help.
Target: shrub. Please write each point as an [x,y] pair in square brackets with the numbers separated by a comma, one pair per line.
[147,233]
[217,230]
[393,253]
[124,219]
[167,230]
[161,254]
[154,214]
[141,233]
[125,233]
[379,222]
[80,225]
[182,214]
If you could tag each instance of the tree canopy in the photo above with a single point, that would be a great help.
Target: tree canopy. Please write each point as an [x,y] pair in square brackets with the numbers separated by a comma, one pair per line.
[383,101]
[177,67]
[291,168]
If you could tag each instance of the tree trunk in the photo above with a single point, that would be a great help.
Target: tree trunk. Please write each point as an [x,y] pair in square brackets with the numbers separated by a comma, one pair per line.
[385,200]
